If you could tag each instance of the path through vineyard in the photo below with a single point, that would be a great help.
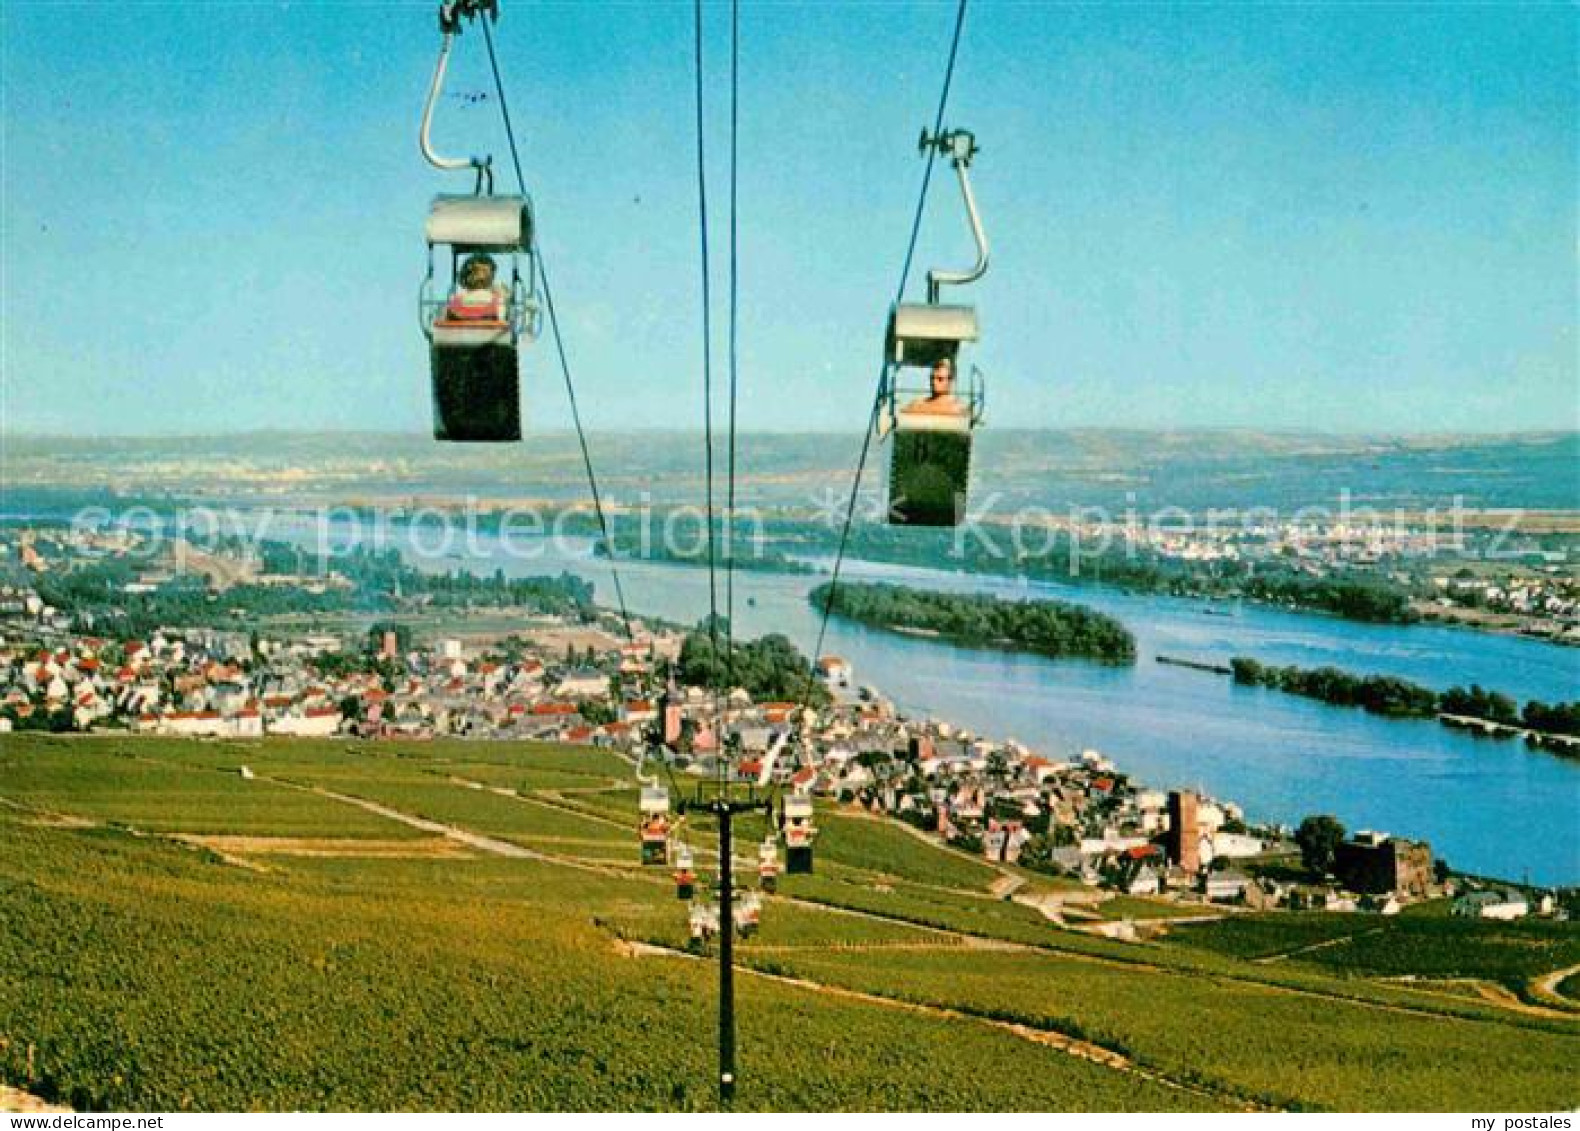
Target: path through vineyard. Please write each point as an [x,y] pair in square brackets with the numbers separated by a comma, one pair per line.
[961,939]
[1071,1046]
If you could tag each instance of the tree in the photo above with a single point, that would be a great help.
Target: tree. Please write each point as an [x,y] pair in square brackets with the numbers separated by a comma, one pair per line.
[1318,838]
[1247,670]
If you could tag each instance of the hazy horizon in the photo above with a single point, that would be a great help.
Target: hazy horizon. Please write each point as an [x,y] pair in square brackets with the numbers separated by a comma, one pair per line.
[31,435]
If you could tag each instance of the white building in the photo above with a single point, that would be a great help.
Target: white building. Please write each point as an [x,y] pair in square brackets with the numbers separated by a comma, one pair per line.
[314,722]
[1503,905]
[835,672]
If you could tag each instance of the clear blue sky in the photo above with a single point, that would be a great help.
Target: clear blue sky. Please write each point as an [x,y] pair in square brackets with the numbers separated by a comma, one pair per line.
[1280,216]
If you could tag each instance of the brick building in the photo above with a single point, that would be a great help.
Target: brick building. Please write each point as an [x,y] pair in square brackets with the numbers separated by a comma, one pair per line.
[1182,842]
[1378,864]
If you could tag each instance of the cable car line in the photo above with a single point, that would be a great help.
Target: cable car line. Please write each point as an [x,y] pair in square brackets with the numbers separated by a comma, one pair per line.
[719,528]
[729,504]
[559,344]
[707,346]
[877,400]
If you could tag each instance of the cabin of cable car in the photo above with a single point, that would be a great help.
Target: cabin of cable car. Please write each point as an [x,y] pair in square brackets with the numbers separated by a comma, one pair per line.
[747,915]
[476,322]
[931,419]
[704,922]
[768,865]
[654,825]
[799,832]
[685,873]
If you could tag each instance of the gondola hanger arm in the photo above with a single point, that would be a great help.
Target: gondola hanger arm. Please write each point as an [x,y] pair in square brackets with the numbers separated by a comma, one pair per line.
[452,16]
[960,146]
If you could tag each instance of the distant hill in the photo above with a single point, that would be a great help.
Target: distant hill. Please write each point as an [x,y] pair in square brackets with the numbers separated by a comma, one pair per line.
[1055,469]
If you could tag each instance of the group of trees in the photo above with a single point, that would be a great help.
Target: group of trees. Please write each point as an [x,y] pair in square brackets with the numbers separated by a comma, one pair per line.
[564,595]
[1051,628]
[1389,695]
[1318,838]
[1379,694]
[1356,598]
[1476,703]
[770,668]
[1556,718]
[1037,853]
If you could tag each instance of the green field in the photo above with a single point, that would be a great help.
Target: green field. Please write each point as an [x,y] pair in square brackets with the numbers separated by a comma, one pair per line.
[342,959]
[1420,946]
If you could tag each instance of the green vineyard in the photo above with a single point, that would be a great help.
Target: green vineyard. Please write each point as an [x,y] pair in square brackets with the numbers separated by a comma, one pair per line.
[464,926]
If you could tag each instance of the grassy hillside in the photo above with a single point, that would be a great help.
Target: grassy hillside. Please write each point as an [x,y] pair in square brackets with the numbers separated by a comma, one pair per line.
[175,937]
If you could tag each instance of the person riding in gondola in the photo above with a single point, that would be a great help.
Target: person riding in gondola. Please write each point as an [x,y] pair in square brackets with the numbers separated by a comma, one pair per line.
[941,400]
[478,298]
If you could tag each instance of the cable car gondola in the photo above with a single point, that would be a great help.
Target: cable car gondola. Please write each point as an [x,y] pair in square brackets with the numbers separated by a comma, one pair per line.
[654,805]
[748,915]
[930,465]
[768,865]
[799,833]
[476,326]
[685,873]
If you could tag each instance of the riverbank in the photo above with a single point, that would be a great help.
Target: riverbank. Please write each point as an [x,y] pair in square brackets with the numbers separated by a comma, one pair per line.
[1545,629]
